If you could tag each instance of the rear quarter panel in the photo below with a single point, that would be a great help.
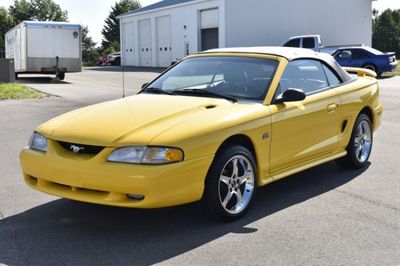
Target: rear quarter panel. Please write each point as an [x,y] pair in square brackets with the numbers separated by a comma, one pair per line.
[361,93]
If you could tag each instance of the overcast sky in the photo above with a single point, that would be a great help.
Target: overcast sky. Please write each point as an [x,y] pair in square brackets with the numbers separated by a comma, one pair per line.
[92,13]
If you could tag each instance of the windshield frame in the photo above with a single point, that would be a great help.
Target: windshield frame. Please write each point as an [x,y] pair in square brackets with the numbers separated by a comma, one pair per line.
[268,57]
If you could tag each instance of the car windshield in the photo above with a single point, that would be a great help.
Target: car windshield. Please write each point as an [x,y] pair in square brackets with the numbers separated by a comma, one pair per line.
[237,78]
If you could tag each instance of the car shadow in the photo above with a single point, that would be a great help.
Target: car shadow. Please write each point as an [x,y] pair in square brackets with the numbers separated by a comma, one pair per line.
[126,69]
[386,77]
[75,233]
[40,80]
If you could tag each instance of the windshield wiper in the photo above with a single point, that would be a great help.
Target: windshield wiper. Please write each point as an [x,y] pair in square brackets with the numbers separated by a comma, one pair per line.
[156,91]
[203,92]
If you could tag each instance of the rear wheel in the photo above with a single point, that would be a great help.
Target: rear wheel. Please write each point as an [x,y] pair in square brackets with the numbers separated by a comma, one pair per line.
[370,67]
[231,183]
[360,146]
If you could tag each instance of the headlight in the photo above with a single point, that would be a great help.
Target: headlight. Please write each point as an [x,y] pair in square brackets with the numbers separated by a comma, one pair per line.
[38,142]
[146,155]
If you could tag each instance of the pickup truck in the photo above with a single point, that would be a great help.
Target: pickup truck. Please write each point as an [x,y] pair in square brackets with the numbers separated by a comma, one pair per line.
[314,42]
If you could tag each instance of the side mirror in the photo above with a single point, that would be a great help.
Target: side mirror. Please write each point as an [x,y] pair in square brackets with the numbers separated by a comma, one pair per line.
[145,85]
[291,95]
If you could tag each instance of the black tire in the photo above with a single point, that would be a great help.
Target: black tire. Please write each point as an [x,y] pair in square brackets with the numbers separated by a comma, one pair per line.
[61,75]
[213,186]
[116,62]
[370,67]
[351,160]
[16,76]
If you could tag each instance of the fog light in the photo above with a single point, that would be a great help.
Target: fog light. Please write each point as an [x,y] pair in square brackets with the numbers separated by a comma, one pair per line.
[135,197]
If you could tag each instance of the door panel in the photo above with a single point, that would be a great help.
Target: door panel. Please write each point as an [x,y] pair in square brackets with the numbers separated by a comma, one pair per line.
[302,131]
[209,25]
[164,41]
[209,39]
[145,42]
[129,59]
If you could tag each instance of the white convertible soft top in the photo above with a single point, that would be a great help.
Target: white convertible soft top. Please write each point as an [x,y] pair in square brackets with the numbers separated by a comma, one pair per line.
[290,54]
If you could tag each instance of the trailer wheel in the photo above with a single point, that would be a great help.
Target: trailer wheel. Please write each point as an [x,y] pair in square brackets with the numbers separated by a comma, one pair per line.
[61,75]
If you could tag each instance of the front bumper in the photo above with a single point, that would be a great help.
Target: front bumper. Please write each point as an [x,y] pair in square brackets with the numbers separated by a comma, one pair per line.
[92,179]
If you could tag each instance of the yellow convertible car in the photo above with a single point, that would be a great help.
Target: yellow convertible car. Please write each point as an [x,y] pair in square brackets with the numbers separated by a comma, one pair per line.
[213,127]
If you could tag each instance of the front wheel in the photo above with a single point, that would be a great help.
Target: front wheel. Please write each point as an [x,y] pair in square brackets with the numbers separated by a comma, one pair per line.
[231,183]
[360,146]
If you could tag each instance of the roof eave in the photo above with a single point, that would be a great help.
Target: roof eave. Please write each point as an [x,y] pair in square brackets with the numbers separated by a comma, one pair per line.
[128,14]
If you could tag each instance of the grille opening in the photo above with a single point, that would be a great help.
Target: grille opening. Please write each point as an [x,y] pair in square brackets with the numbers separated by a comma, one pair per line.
[79,189]
[62,186]
[81,148]
[91,191]
[32,180]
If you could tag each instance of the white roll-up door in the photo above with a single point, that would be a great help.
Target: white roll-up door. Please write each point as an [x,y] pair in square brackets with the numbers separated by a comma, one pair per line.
[145,42]
[164,41]
[209,28]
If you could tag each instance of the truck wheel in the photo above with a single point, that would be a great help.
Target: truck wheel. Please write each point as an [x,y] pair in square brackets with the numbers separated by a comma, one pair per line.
[231,183]
[61,75]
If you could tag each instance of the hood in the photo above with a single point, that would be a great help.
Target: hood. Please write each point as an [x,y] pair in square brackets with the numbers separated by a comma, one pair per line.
[135,120]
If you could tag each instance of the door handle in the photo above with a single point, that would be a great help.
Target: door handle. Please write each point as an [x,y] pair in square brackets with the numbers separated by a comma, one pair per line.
[332,108]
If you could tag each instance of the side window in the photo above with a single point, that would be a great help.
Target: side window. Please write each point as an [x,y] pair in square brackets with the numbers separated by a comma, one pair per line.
[307,75]
[332,78]
[293,43]
[359,54]
[345,54]
[309,43]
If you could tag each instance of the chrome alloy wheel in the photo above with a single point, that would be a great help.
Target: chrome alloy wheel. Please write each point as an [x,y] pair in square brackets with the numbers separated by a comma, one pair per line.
[363,141]
[236,184]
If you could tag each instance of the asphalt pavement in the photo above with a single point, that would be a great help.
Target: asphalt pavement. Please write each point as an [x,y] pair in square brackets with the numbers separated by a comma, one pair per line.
[323,216]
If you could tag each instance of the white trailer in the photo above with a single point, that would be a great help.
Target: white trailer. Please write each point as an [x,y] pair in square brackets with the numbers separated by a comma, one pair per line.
[45,48]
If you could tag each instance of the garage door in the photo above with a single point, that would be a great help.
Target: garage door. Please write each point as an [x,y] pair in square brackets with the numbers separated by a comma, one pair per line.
[129,51]
[145,42]
[164,53]
[209,29]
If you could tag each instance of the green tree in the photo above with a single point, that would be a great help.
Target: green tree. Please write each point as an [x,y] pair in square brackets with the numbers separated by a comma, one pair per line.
[6,23]
[386,32]
[21,10]
[47,10]
[89,51]
[40,10]
[110,30]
